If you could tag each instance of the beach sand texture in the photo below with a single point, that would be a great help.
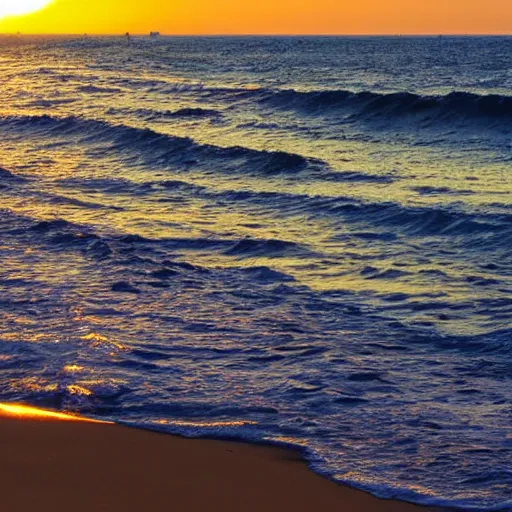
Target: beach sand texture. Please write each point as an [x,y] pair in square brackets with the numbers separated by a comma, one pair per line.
[51,465]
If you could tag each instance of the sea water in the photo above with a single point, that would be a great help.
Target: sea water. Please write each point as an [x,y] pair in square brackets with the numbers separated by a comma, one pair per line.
[292,240]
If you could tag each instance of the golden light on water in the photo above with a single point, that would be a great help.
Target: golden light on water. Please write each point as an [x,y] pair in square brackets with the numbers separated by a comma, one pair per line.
[19,7]
[73,368]
[20,411]
[98,340]
[209,424]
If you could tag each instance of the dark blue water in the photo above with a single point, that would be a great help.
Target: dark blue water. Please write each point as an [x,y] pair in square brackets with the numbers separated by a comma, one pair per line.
[297,240]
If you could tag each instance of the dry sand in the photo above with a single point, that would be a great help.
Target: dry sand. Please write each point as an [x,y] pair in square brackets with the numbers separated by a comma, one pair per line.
[52,465]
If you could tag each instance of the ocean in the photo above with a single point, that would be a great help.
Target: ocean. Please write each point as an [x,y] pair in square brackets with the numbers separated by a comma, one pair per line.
[294,240]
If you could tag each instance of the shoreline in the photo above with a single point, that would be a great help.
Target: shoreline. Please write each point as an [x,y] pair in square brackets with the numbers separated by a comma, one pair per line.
[53,464]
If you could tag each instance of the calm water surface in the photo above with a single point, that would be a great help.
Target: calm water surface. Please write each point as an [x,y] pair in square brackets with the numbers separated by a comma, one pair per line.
[297,240]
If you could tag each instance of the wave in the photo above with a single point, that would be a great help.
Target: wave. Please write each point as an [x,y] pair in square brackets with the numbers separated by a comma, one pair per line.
[50,103]
[9,176]
[428,220]
[420,221]
[160,149]
[429,190]
[250,248]
[65,235]
[154,115]
[457,106]
[138,264]
[188,112]
[413,220]
[94,89]
[454,106]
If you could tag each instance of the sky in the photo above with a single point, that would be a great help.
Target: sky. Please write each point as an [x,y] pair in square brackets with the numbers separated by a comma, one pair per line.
[262,16]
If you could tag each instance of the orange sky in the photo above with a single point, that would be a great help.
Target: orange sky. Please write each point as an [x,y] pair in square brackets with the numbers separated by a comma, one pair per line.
[269,17]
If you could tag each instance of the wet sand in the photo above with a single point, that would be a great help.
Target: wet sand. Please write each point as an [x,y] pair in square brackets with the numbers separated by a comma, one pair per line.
[51,465]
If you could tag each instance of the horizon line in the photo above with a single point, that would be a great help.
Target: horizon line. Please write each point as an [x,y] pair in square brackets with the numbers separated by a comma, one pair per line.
[277,34]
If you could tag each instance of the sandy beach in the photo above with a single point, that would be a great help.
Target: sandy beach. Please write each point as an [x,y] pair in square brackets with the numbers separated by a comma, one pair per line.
[50,464]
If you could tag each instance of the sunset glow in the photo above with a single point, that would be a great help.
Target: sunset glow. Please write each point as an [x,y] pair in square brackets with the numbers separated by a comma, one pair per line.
[32,413]
[19,7]
[264,17]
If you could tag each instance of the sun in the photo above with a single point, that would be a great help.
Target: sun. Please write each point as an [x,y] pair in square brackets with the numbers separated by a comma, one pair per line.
[18,7]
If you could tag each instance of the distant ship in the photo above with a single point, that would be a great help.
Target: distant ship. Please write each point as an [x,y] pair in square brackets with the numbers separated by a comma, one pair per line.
[154,34]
